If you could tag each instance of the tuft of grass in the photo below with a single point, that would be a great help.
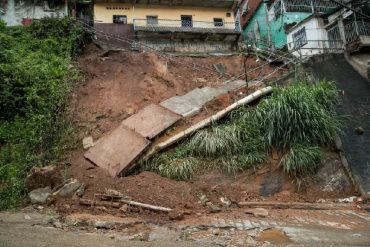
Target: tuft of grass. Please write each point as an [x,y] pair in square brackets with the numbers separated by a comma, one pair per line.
[218,140]
[299,114]
[179,169]
[302,160]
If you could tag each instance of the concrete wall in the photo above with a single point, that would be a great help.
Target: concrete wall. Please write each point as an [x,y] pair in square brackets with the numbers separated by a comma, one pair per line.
[14,13]
[103,12]
[316,38]
[189,46]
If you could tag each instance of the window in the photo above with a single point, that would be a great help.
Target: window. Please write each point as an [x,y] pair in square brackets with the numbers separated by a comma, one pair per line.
[228,14]
[151,20]
[120,19]
[300,38]
[186,21]
[218,22]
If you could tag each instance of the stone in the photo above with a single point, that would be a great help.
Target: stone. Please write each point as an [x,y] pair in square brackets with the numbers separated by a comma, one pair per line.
[203,200]
[68,189]
[359,130]
[81,191]
[220,68]
[257,212]
[124,208]
[49,219]
[213,209]
[103,224]
[41,177]
[87,142]
[176,215]
[40,196]
[27,217]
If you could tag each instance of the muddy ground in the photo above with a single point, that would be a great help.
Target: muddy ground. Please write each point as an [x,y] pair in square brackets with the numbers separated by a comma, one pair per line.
[117,85]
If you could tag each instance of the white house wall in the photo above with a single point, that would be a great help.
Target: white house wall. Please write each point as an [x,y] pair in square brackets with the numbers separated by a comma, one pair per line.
[316,38]
[13,14]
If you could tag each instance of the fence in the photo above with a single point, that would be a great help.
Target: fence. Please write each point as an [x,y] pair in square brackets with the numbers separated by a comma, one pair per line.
[356,29]
[311,6]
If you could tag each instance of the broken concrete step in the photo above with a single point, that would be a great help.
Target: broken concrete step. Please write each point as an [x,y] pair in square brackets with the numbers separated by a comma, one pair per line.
[151,121]
[117,151]
[181,106]
[233,85]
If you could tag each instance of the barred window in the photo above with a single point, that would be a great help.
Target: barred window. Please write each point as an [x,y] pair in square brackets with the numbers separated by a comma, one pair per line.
[218,22]
[151,20]
[300,38]
[120,19]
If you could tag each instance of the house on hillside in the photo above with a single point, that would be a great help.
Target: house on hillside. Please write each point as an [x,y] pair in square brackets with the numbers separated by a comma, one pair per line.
[267,27]
[343,30]
[190,26]
[17,12]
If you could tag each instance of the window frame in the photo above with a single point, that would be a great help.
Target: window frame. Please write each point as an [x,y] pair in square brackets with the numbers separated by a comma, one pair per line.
[217,23]
[300,38]
[115,17]
[152,19]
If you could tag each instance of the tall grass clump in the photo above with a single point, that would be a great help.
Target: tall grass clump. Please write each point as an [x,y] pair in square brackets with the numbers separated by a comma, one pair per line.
[302,160]
[300,113]
[35,84]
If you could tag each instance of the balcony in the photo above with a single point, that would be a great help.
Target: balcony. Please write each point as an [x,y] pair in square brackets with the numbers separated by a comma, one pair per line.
[185,26]
[306,6]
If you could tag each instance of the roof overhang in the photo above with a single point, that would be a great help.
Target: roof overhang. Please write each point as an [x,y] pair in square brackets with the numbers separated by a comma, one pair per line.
[191,3]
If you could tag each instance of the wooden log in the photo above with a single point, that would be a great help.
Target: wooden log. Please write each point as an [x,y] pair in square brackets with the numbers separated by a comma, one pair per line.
[296,205]
[92,203]
[147,206]
[176,138]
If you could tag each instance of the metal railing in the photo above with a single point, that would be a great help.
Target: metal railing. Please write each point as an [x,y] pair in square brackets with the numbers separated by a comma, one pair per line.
[163,25]
[356,29]
[310,6]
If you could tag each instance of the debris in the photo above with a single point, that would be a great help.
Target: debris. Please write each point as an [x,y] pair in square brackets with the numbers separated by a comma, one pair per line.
[359,130]
[220,68]
[102,224]
[183,134]
[348,199]
[49,219]
[41,177]
[68,189]
[176,215]
[258,212]
[88,142]
[213,208]
[295,205]
[203,200]
[40,196]
[124,208]
[200,80]
[81,191]
[113,193]
[86,202]
[27,217]
[225,201]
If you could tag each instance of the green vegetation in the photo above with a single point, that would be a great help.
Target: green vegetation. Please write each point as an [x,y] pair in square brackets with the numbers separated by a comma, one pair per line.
[296,121]
[35,82]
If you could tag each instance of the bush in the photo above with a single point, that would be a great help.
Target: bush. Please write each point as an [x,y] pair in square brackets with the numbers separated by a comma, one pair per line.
[179,169]
[302,160]
[300,113]
[35,85]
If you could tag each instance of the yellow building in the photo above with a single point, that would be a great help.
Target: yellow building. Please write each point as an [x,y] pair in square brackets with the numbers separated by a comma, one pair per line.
[168,24]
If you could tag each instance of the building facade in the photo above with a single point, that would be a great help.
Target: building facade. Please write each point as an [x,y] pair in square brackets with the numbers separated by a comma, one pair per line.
[17,12]
[172,25]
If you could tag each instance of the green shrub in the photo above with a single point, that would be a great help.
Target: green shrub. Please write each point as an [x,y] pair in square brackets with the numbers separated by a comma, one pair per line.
[302,160]
[298,114]
[35,83]
[179,169]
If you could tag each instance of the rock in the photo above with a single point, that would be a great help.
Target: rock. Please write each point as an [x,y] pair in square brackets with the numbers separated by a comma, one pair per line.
[220,68]
[88,142]
[203,200]
[213,209]
[225,201]
[40,196]
[49,219]
[27,217]
[68,189]
[200,80]
[359,130]
[348,199]
[176,215]
[41,177]
[124,208]
[102,224]
[81,191]
[257,212]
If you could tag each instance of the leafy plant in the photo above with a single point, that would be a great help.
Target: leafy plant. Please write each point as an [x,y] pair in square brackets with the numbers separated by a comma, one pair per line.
[179,169]
[302,160]
[298,114]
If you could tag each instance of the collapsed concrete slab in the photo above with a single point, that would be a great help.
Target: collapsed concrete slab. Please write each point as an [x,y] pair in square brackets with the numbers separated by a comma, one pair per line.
[117,151]
[233,85]
[151,121]
[180,106]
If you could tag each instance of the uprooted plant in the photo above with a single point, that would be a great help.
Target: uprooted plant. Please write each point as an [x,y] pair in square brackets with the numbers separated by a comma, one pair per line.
[297,121]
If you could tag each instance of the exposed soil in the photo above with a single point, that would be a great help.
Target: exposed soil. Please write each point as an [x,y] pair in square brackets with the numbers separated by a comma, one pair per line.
[117,86]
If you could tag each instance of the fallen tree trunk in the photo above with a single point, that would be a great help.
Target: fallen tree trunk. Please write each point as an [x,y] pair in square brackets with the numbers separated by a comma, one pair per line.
[92,203]
[295,205]
[147,206]
[178,137]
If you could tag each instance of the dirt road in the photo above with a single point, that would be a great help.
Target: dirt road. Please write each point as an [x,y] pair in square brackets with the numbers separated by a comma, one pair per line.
[281,228]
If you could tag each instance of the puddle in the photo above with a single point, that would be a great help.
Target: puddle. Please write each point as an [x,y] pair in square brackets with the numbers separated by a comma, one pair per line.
[274,236]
